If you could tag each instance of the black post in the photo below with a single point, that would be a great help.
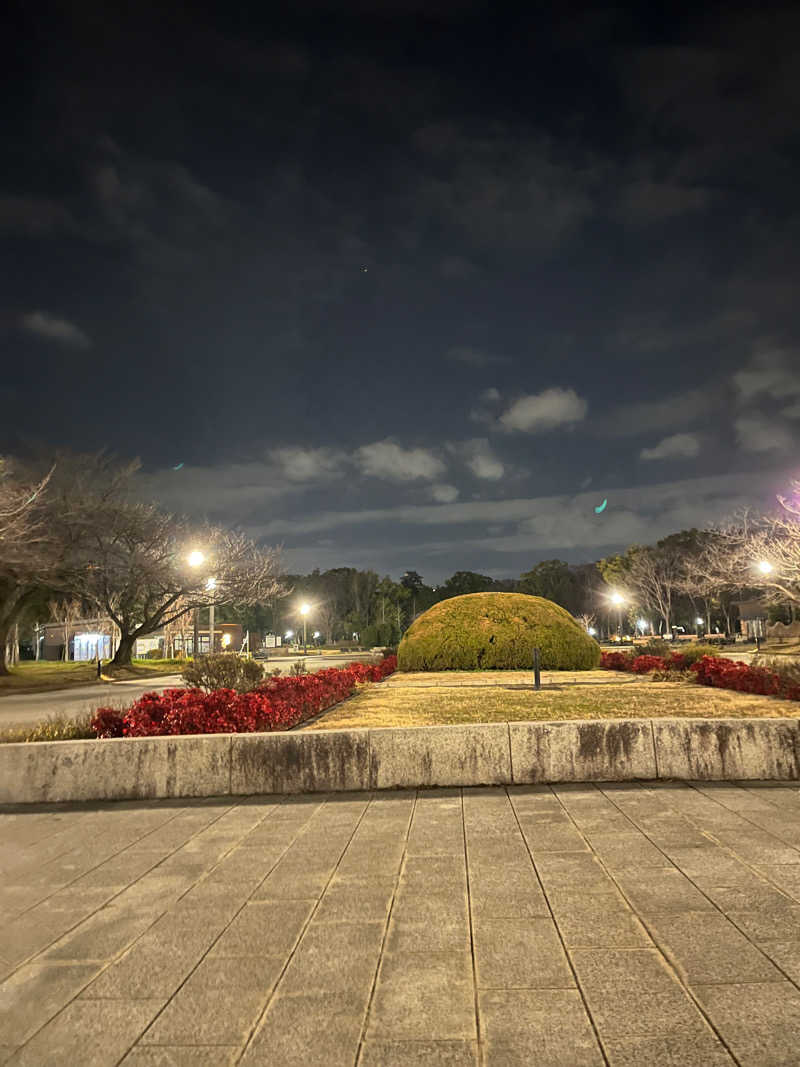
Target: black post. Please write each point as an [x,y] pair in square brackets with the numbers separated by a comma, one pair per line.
[98,665]
[196,635]
[537,681]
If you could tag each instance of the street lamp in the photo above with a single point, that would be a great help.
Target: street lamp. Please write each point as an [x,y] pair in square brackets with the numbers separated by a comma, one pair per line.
[618,599]
[765,566]
[304,610]
[196,559]
[211,585]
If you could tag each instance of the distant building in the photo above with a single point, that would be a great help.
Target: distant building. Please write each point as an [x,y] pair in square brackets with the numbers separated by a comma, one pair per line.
[753,618]
[86,639]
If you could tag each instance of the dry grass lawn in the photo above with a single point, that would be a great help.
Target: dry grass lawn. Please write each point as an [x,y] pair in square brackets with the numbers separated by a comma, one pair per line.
[509,696]
[32,677]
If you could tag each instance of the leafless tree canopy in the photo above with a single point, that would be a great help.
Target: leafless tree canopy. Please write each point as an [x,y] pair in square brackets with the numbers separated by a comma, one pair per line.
[80,530]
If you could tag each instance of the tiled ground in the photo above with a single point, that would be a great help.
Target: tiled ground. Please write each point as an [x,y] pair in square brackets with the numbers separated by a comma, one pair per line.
[572,926]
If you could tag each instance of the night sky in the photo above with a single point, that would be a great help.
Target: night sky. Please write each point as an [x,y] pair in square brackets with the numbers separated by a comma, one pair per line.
[409,284]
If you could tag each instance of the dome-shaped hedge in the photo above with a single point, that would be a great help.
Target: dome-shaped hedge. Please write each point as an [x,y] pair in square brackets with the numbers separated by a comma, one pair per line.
[496,631]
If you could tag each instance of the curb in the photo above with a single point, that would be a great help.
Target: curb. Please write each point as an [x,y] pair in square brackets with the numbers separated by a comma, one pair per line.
[515,753]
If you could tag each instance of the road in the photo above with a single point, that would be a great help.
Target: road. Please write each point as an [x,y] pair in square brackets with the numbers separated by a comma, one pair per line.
[24,709]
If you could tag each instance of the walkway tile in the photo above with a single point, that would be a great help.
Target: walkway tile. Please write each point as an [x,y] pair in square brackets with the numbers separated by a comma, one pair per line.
[218,1004]
[759,1023]
[92,1033]
[419,1054]
[424,996]
[524,1027]
[520,954]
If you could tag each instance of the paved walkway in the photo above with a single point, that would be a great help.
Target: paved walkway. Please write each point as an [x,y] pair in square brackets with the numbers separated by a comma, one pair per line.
[564,926]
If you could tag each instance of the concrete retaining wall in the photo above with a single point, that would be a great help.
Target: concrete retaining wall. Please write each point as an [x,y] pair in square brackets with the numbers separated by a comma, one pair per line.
[335,760]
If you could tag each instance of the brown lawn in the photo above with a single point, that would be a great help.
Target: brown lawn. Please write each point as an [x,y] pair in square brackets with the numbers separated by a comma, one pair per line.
[509,696]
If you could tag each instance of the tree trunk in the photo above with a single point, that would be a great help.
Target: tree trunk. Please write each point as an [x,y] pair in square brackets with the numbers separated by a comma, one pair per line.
[122,657]
[4,671]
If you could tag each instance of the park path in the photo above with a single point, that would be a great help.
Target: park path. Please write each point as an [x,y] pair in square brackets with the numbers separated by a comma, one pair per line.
[571,926]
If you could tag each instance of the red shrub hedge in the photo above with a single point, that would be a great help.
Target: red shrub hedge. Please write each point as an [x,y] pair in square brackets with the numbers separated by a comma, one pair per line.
[278,704]
[710,670]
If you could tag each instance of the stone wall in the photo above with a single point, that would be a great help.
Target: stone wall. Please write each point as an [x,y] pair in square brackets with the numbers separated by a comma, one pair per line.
[337,760]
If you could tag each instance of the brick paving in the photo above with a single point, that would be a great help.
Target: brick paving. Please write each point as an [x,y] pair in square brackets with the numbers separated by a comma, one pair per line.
[628,924]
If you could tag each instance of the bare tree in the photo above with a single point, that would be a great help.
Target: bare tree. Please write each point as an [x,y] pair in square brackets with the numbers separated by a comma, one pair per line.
[29,548]
[66,613]
[130,560]
[654,574]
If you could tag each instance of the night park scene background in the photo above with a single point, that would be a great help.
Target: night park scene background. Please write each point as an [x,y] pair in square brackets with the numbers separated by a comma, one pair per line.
[400,534]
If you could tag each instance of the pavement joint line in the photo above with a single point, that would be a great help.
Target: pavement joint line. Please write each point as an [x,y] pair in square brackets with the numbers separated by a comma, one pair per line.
[746,863]
[644,921]
[256,1026]
[127,948]
[373,987]
[762,829]
[574,973]
[204,878]
[479,1045]
[111,856]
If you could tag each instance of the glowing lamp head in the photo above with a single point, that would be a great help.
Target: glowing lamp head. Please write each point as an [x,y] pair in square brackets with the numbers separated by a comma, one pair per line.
[617,598]
[304,609]
[765,566]
[289,633]
[211,584]
[699,621]
[196,558]
[642,624]
[226,640]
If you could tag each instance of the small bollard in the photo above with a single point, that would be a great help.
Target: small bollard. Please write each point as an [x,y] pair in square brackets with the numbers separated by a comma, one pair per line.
[98,666]
[537,681]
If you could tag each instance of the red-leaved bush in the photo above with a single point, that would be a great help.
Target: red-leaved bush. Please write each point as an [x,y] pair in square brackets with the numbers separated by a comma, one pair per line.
[278,704]
[733,674]
[710,670]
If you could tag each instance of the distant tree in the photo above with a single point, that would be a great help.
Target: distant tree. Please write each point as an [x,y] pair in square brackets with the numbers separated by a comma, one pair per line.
[463,582]
[554,580]
[65,613]
[412,581]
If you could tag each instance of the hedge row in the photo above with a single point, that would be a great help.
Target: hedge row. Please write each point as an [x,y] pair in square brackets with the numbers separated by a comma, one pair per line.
[781,680]
[278,704]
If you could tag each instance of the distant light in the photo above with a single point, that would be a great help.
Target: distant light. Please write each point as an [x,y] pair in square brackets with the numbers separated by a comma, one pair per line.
[699,621]
[196,558]
[304,609]
[316,633]
[642,624]
[591,631]
[226,640]
[617,598]
[765,566]
[211,584]
[289,633]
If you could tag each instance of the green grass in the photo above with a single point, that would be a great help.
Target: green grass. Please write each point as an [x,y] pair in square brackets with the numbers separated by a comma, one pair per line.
[33,677]
[508,696]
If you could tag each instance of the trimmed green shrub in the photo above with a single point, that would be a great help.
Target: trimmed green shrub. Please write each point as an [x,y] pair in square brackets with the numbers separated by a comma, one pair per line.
[223,670]
[496,631]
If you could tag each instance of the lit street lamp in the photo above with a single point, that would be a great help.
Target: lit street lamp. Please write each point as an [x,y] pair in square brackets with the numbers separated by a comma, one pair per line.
[618,599]
[765,566]
[196,559]
[304,610]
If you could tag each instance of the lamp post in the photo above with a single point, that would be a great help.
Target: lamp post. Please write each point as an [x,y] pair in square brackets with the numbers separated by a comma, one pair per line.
[619,600]
[304,610]
[196,559]
[211,584]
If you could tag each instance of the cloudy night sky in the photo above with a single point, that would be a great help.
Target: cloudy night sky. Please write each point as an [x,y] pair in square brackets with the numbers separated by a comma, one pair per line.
[411,283]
